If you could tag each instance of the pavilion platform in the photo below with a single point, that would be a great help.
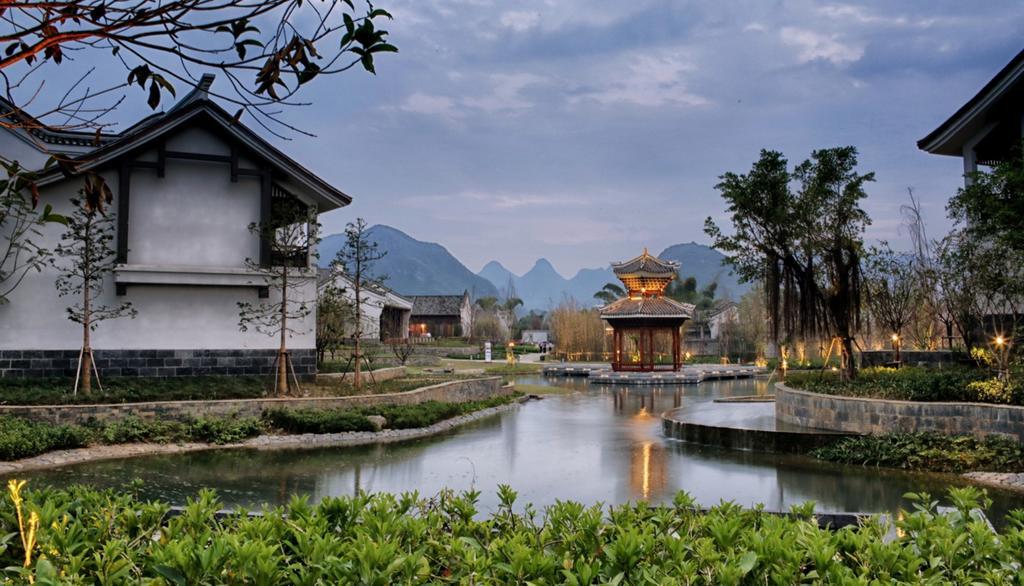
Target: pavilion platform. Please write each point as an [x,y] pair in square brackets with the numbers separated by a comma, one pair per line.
[688,375]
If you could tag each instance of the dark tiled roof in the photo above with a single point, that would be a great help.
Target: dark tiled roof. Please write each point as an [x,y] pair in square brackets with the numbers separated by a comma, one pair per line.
[1005,86]
[436,305]
[646,264]
[647,307]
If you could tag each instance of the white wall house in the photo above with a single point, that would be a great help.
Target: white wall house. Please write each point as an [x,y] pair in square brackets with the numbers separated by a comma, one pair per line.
[187,184]
[385,313]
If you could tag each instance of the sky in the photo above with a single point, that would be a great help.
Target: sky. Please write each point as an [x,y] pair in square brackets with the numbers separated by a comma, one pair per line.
[583,131]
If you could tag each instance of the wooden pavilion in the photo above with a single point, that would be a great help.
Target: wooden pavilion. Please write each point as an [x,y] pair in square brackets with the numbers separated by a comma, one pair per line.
[646,324]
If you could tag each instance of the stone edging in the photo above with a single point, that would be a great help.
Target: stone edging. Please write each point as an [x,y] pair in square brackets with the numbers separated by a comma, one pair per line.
[60,458]
[877,416]
[1013,481]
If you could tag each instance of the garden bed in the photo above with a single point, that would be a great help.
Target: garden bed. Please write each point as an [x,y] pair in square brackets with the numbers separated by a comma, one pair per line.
[956,384]
[928,451]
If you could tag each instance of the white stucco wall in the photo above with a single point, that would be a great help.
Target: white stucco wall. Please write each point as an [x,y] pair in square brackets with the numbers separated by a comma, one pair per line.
[201,197]
[199,218]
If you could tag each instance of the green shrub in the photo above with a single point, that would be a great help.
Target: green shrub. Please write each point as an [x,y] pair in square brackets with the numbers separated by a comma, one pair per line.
[929,451]
[225,431]
[317,421]
[21,438]
[134,430]
[907,384]
[86,537]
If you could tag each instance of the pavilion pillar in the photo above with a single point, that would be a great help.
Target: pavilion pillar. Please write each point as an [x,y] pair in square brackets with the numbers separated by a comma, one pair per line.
[676,362]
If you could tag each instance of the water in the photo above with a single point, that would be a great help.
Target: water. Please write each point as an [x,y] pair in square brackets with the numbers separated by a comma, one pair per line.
[602,443]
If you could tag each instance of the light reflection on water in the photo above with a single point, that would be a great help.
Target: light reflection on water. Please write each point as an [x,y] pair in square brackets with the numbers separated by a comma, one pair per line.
[601,444]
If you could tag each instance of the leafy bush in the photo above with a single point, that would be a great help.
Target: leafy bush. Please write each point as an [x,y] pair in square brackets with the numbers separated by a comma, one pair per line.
[21,438]
[317,421]
[225,431]
[89,536]
[908,384]
[132,430]
[929,451]
[398,416]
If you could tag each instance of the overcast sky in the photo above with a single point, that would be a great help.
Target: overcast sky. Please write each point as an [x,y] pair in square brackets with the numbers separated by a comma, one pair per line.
[584,130]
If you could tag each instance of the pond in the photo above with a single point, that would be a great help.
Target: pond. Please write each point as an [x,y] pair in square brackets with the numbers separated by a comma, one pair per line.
[600,443]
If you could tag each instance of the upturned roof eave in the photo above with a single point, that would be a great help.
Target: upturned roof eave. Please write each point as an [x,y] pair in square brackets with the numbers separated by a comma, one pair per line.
[946,138]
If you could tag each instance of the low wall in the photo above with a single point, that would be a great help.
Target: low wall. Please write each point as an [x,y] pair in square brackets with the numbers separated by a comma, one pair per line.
[459,391]
[153,363]
[878,416]
[929,359]
[379,375]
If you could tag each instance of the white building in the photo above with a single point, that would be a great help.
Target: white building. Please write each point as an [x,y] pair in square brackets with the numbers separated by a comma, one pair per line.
[187,184]
[385,313]
[535,336]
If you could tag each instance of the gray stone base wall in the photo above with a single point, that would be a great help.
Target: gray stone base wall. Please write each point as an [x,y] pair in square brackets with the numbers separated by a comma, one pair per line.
[459,391]
[930,359]
[879,416]
[152,363]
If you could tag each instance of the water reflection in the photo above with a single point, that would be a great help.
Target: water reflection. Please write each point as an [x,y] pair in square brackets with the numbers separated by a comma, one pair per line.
[601,444]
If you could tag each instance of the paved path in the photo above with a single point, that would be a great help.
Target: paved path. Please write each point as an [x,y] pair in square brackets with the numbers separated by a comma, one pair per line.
[1006,480]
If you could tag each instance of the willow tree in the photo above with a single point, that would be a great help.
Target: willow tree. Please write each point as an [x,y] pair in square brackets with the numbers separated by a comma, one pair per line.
[800,232]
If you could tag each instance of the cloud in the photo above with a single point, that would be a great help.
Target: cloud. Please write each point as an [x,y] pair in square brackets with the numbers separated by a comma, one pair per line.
[505,92]
[421,103]
[649,80]
[814,46]
[860,15]
[520,21]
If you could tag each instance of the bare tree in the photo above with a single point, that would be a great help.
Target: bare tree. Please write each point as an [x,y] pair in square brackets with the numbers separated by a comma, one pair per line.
[892,291]
[356,258]
[291,237]
[88,259]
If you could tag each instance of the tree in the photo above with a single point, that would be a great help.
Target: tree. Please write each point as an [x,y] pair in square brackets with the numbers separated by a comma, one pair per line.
[610,293]
[488,303]
[800,232]
[892,291]
[333,314]
[20,224]
[88,260]
[988,234]
[290,236]
[268,50]
[356,258]
[402,348]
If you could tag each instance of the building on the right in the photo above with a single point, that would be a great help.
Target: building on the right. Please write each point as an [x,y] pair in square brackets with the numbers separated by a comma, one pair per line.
[988,127]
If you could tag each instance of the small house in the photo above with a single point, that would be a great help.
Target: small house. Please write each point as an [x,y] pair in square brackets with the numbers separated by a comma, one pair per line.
[386,314]
[441,316]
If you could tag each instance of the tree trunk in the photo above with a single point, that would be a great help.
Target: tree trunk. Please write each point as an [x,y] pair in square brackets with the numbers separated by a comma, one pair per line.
[282,353]
[86,362]
[358,378]
[849,366]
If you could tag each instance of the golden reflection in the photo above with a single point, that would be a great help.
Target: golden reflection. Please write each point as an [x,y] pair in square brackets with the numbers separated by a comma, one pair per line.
[647,470]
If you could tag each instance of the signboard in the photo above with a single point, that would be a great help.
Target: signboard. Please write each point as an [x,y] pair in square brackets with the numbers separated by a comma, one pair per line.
[487,352]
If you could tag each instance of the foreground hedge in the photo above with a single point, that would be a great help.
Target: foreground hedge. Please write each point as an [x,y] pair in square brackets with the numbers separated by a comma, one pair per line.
[934,452]
[87,537]
[961,384]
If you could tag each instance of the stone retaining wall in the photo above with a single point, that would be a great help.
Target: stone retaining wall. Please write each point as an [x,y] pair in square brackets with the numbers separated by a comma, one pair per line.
[379,375]
[932,359]
[459,391]
[153,363]
[878,416]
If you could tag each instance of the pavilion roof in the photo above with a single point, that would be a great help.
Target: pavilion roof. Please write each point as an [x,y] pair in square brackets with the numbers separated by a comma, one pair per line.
[647,307]
[646,265]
